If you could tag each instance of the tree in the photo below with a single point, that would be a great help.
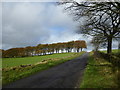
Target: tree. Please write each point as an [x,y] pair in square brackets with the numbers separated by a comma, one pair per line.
[52,49]
[79,44]
[100,18]
[57,47]
[98,41]
[69,46]
[43,48]
[12,52]
[28,51]
[1,53]
[21,52]
[62,47]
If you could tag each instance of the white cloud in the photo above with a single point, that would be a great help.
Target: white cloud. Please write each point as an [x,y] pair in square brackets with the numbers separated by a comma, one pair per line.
[28,24]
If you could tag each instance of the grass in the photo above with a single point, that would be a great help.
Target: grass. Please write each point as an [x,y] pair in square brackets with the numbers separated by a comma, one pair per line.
[12,74]
[0,72]
[113,51]
[11,62]
[98,74]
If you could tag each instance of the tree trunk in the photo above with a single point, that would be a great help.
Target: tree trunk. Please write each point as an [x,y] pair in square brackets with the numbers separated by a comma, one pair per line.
[68,50]
[81,49]
[77,49]
[109,48]
[119,45]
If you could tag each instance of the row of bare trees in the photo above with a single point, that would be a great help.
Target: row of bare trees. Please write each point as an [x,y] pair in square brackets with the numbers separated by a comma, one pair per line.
[43,49]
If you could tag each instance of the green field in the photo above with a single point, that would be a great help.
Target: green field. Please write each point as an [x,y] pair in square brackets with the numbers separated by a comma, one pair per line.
[11,62]
[16,72]
[113,51]
[100,73]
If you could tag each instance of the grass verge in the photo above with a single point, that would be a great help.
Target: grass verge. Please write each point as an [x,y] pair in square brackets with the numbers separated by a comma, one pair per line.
[16,73]
[99,74]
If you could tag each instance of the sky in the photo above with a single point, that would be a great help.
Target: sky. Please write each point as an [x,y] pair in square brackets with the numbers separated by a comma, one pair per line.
[31,23]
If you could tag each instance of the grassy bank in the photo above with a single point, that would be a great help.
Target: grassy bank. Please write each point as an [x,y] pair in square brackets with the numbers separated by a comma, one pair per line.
[99,73]
[19,71]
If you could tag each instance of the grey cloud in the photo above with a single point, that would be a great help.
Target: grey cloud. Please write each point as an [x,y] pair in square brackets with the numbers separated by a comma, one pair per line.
[28,24]
[22,25]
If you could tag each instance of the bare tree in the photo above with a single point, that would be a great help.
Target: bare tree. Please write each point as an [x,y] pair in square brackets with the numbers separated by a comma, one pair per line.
[100,18]
[98,42]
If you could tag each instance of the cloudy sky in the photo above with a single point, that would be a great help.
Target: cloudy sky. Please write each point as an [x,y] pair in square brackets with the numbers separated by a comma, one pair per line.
[32,23]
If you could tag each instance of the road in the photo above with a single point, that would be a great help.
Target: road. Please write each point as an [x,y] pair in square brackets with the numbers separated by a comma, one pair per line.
[66,75]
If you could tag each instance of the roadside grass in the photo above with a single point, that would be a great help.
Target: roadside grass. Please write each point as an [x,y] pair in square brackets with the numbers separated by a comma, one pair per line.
[99,74]
[12,74]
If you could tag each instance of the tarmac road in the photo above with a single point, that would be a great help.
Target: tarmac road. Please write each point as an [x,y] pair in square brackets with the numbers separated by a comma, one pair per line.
[66,75]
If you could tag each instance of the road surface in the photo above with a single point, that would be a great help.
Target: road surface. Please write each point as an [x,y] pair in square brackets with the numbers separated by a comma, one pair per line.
[66,75]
